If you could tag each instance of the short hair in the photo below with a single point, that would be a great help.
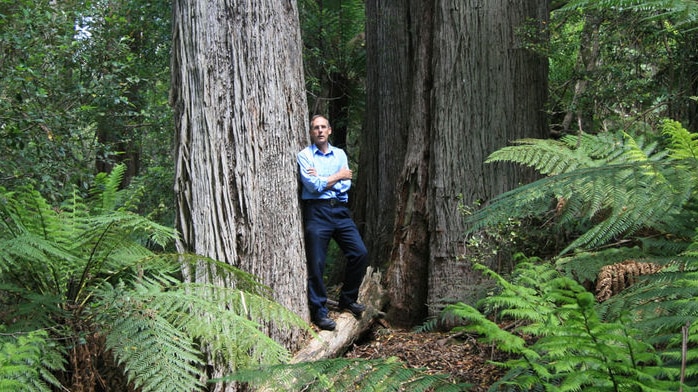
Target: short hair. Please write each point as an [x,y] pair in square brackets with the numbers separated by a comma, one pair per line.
[316,116]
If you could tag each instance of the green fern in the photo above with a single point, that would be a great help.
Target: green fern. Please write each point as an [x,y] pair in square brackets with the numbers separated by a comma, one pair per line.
[344,374]
[27,362]
[610,186]
[683,145]
[82,271]
[550,157]
[636,187]
[571,348]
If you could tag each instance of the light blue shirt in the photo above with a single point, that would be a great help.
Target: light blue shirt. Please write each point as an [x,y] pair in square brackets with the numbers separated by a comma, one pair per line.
[325,165]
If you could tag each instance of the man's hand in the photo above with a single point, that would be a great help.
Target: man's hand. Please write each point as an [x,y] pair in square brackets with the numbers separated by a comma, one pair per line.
[311,171]
[345,174]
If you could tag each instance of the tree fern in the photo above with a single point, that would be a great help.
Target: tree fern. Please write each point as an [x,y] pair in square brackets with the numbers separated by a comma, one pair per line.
[615,186]
[623,186]
[636,189]
[549,157]
[82,271]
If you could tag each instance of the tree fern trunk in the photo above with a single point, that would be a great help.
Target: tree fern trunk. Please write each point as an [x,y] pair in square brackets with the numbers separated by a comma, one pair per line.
[240,110]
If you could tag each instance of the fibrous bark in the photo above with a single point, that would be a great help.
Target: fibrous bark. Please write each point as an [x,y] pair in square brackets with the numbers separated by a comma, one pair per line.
[240,113]
[448,83]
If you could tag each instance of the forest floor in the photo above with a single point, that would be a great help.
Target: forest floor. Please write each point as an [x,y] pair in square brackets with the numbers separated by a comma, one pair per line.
[460,357]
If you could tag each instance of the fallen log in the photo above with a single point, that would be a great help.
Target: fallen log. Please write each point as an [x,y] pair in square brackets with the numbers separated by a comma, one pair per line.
[332,344]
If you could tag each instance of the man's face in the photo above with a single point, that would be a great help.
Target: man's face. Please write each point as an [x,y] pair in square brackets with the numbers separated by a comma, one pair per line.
[320,130]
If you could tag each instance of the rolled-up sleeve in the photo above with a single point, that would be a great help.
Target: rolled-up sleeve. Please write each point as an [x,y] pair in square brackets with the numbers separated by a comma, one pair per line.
[312,184]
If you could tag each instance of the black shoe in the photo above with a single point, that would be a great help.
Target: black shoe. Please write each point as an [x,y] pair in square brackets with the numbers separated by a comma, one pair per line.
[325,323]
[355,308]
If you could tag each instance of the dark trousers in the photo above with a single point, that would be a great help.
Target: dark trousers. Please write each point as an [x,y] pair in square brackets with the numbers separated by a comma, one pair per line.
[324,221]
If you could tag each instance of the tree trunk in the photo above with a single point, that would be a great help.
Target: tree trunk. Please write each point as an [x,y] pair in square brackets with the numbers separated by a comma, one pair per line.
[489,90]
[240,112]
[450,84]
[383,141]
[586,64]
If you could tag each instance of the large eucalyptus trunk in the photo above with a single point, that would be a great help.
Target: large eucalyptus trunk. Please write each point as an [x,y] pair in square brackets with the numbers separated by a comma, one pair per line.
[240,112]
[489,90]
[449,82]
[394,150]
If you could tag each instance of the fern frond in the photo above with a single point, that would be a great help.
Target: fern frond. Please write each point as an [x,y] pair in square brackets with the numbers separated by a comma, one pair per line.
[25,210]
[237,334]
[233,276]
[523,298]
[31,252]
[105,190]
[156,355]
[27,362]
[624,185]
[585,266]
[115,224]
[344,374]
[226,320]
[51,246]
[489,331]
[663,302]
[544,155]
[85,267]
[26,310]
[682,143]
[572,349]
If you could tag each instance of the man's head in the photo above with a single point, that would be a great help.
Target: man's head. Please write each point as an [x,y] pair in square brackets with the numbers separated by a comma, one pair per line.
[320,130]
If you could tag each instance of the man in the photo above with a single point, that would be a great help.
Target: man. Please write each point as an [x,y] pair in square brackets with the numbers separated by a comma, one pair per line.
[326,179]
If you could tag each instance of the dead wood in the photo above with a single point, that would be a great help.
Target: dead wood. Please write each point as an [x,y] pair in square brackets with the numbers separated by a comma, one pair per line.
[332,344]
[614,278]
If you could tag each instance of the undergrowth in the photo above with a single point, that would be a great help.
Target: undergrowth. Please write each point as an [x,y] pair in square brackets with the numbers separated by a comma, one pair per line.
[561,341]
[626,199]
[87,304]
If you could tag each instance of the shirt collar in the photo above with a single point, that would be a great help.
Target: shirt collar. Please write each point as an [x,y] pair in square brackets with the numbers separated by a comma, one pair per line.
[316,150]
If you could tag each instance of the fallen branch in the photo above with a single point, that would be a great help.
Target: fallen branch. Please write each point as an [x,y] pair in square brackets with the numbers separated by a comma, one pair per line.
[332,344]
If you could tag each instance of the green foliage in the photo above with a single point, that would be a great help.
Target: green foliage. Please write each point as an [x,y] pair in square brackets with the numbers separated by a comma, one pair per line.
[559,341]
[612,189]
[82,82]
[334,59]
[82,272]
[332,30]
[604,186]
[343,374]
[685,11]
[621,64]
[44,138]
[585,266]
[661,303]
[27,362]
[152,193]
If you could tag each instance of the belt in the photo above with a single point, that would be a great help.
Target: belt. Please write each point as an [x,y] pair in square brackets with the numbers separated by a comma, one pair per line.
[329,202]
